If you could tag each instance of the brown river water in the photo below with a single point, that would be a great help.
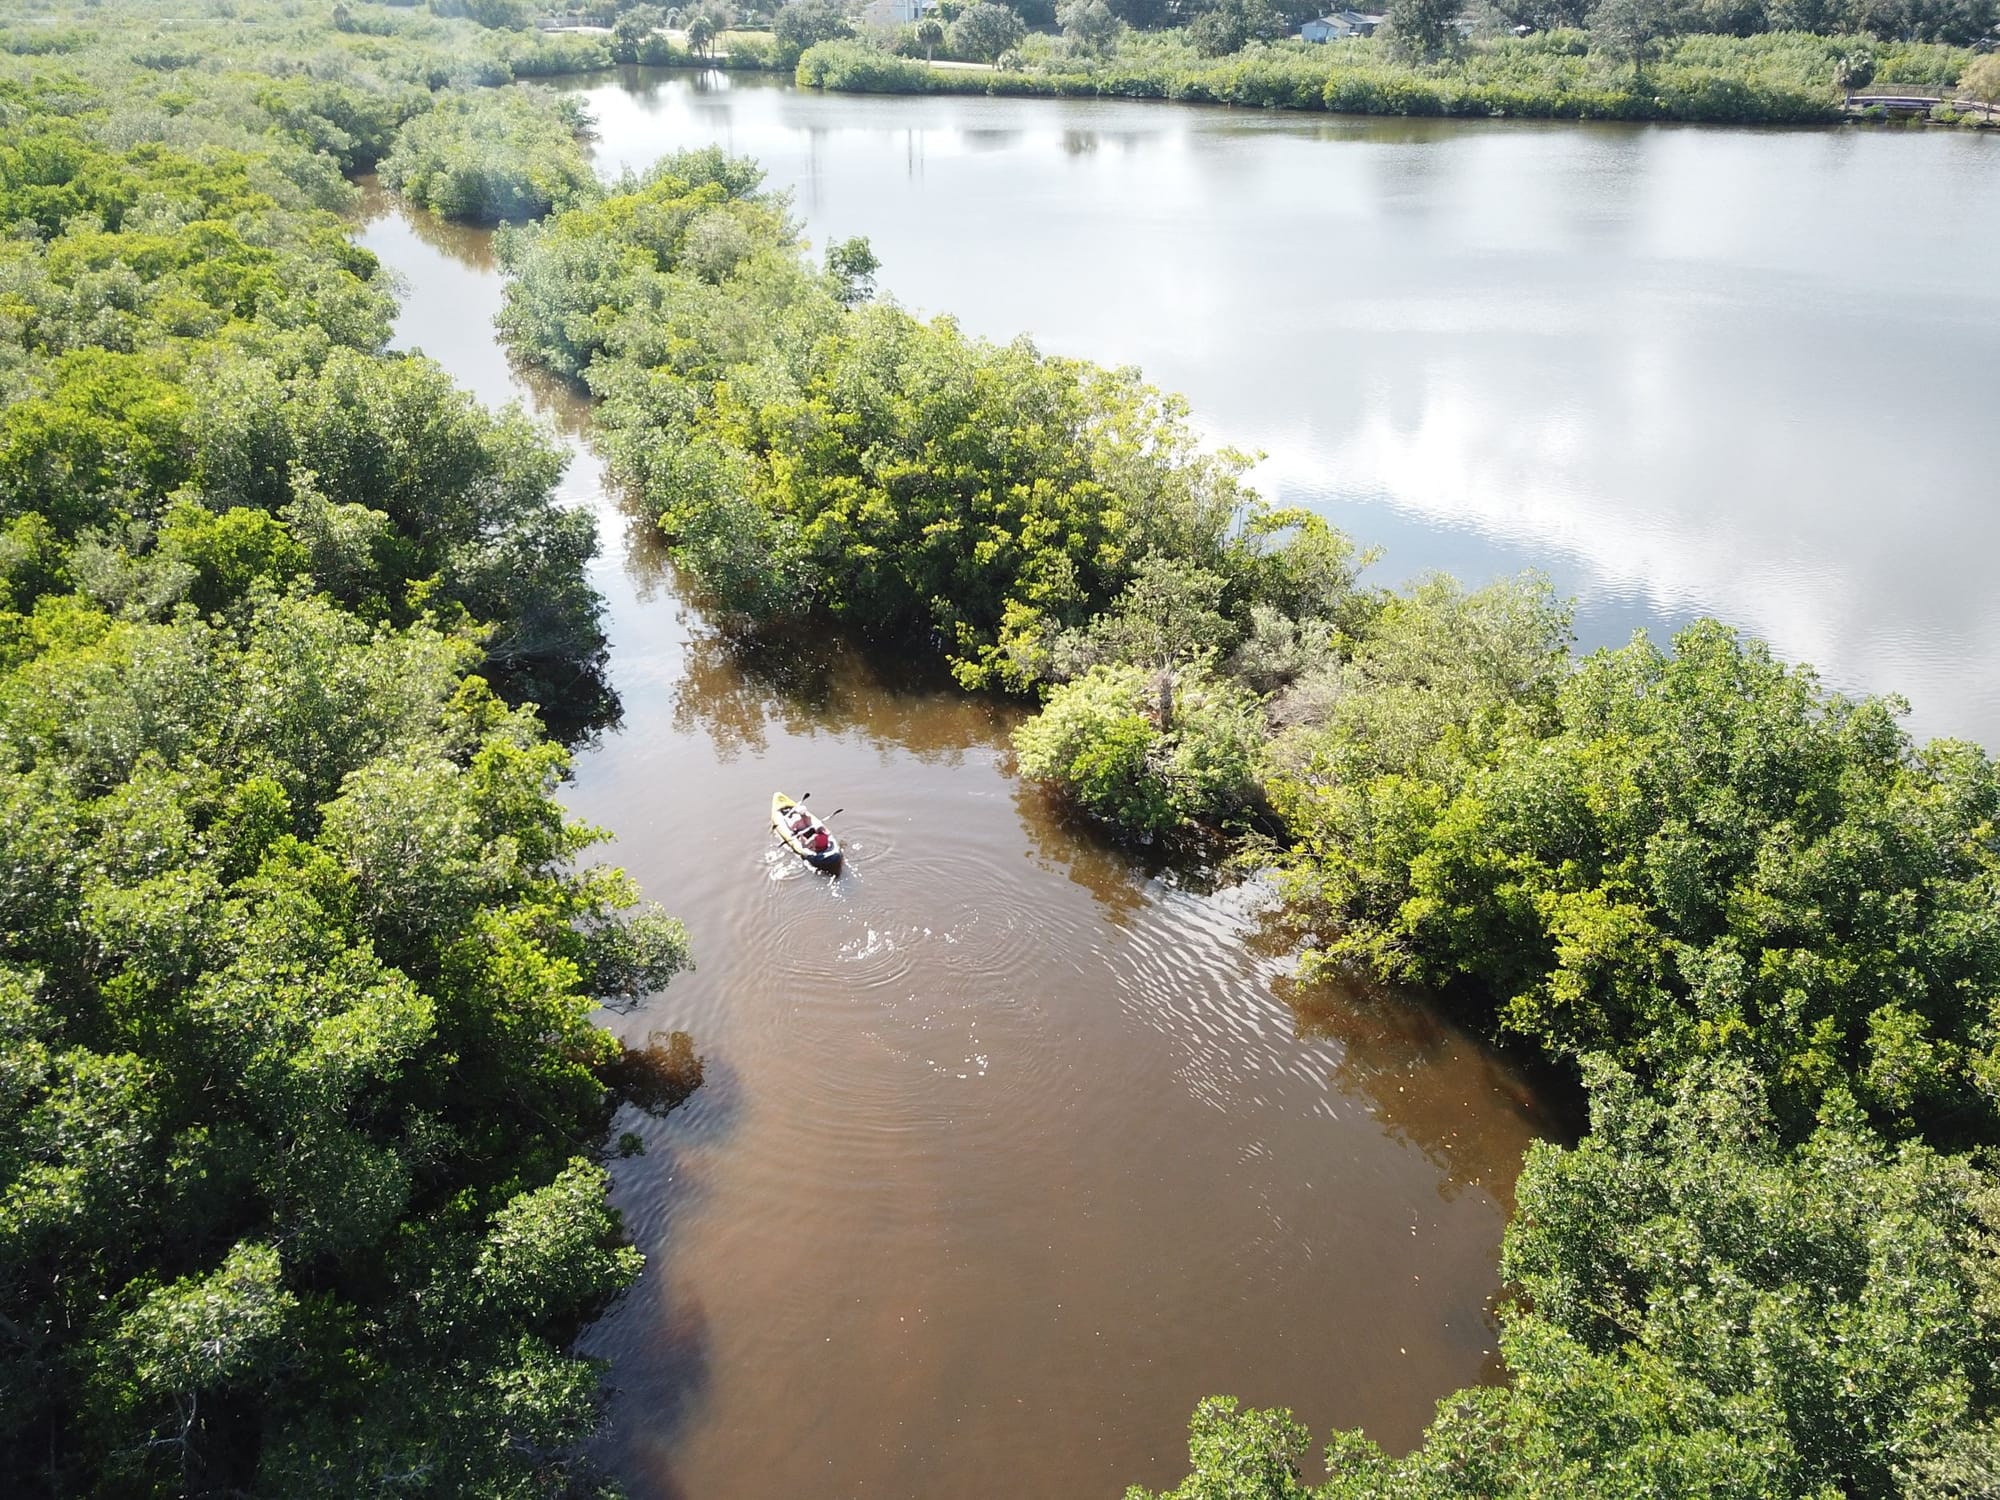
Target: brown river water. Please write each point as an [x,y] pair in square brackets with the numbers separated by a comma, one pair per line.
[1011,1147]
[1008,1150]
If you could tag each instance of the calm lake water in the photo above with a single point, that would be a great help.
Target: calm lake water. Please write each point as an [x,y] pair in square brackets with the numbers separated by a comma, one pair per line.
[1010,1149]
[1683,371]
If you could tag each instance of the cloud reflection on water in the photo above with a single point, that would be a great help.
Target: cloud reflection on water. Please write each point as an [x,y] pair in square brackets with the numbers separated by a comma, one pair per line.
[1682,371]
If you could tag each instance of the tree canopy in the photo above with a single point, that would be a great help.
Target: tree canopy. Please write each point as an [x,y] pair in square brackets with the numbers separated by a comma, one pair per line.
[1686,854]
[505,154]
[302,1096]
[1089,26]
[802,23]
[984,30]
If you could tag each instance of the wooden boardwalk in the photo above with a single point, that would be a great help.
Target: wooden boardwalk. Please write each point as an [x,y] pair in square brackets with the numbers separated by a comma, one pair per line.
[1907,102]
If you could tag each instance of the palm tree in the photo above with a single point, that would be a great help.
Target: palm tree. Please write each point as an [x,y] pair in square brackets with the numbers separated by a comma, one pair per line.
[930,32]
[701,34]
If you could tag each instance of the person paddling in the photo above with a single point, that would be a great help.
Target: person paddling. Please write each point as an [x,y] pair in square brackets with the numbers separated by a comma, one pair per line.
[807,835]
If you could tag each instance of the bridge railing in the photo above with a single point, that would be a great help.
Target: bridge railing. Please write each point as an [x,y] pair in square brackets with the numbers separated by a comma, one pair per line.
[1921,99]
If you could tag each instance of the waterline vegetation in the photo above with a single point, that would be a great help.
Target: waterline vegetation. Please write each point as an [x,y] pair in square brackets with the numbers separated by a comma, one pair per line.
[1776,78]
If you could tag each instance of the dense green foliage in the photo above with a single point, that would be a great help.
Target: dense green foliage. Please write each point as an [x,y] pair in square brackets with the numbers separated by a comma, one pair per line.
[301,1095]
[193,406]
[814,454]
[1143,754]
[1790,77]
[309,93]
[185,71]
[300,1063]
[1680,856]
[502,154]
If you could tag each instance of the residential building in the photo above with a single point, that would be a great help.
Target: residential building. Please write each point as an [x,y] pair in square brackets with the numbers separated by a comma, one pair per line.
[1339,25]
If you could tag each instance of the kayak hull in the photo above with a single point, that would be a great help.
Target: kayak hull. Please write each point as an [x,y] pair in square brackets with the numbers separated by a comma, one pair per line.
[827,860]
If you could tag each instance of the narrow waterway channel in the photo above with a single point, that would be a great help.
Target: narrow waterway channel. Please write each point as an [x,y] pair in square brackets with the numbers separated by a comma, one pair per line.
[1010,1149]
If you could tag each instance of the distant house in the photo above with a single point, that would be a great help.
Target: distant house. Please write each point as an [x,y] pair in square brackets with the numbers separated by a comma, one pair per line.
[1339,25]
[893,12]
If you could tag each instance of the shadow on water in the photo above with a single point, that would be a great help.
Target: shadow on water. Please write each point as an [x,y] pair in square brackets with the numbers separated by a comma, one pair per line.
[578,709]
[658,1337]
[988,140]
[1122,875]
[1395,1042]
[746,691]
[667,1377]
[470,245]
[658,1076]
[1393,1049]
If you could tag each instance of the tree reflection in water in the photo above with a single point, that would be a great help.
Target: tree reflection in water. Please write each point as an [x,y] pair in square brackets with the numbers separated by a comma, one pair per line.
[1122,876]
[736,689]
[660,1340]
[1430,1083]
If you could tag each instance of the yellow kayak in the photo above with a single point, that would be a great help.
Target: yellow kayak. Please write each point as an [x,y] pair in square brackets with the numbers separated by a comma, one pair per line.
[805,842]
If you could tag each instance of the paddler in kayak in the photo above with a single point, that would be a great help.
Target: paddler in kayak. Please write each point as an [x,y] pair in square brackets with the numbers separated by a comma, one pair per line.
[812,835]
[807,835]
